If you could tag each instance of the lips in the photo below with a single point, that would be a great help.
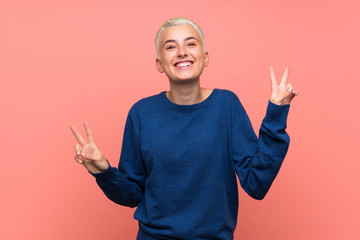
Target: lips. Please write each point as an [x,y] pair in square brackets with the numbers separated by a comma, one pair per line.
[183,64]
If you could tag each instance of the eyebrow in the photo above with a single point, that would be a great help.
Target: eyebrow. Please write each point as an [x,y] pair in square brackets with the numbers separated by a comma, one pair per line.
[186,39]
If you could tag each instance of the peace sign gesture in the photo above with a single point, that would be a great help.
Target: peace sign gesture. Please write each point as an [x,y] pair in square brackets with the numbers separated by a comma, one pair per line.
[281,94]
[87,153]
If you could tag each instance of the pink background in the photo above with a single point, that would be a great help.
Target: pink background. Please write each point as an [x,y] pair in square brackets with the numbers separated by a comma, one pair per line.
[66,61]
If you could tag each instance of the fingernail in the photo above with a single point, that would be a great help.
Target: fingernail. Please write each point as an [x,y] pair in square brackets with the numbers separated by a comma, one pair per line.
[80,161]
[83,154]
[77,153]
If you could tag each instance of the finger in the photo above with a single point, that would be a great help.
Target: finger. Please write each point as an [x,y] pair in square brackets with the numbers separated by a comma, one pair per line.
[291,89]
[77,149]
[84,154]
[88,132]
[77,136]
[294,92]
[272,78]
[79,159]
[285,77]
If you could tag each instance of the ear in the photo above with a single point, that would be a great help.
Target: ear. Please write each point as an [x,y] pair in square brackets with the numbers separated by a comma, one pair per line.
[206,59]
[158,65]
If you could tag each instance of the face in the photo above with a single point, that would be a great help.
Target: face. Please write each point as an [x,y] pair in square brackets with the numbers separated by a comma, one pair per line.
[181,54]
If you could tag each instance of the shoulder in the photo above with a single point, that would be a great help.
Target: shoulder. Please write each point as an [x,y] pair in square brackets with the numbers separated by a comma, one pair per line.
[148,108]
[232,101]
[227,95]
[147,103]
[143,109]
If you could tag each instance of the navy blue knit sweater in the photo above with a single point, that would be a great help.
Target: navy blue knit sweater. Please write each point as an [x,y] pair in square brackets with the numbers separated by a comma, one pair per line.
[178,164]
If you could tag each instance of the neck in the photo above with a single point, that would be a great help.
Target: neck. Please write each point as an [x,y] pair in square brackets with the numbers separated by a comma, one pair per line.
[187,93]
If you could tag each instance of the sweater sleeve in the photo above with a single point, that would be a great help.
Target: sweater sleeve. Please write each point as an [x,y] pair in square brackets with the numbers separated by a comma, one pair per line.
[125,185]
[258,160]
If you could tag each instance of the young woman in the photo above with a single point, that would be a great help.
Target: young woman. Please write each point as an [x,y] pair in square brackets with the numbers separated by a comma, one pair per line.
[183,148]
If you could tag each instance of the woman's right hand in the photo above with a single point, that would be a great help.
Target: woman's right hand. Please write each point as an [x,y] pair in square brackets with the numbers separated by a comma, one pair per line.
[88,154]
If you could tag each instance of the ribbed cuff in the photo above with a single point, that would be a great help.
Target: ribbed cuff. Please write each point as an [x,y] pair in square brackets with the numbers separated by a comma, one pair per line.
[104,174]
[276,114]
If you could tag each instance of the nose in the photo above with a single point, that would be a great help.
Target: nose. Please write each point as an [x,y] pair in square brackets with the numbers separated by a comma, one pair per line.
[182,52]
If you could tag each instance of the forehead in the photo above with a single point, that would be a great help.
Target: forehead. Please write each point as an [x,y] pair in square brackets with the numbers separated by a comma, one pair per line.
[179,33]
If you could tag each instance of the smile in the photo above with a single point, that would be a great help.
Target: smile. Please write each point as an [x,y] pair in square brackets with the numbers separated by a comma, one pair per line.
[184,64]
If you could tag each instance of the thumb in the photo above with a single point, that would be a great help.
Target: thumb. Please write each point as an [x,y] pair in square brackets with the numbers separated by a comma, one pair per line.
[290,88]
[77,149]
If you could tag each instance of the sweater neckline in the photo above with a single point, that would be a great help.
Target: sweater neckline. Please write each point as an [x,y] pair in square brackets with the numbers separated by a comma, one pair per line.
[188,107]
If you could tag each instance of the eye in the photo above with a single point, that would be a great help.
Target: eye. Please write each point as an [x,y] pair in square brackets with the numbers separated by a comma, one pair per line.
[170,47]
[191,44]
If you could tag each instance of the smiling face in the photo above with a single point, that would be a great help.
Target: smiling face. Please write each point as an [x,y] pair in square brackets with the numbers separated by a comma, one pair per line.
[181,54]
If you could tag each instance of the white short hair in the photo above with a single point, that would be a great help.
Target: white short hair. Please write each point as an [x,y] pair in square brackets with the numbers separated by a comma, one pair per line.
[177,22]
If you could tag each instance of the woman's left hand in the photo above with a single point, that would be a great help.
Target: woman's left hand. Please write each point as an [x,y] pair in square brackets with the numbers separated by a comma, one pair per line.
[281,94]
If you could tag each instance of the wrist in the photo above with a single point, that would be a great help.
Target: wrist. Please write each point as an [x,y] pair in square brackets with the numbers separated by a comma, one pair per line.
[102,165]
[279,103]
[98,166]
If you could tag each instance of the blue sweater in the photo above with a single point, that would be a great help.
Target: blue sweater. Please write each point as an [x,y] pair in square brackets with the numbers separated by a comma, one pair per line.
[179,163]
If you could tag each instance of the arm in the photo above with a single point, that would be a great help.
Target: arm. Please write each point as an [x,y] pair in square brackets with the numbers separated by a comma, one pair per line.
[258,160]
[125,185]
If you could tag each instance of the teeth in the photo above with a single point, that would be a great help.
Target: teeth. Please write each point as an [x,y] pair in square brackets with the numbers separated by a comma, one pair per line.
[184,64]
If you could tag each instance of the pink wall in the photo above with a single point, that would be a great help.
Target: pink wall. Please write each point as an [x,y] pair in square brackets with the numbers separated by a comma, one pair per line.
[63,62]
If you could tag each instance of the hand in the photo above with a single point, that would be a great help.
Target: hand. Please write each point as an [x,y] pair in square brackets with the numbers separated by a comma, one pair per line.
[281,94]
[87,153]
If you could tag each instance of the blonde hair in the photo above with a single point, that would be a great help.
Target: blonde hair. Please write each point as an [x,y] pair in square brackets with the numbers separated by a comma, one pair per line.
[177,22]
